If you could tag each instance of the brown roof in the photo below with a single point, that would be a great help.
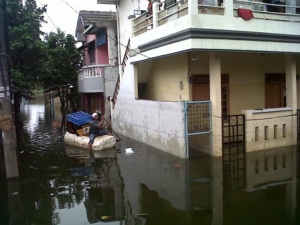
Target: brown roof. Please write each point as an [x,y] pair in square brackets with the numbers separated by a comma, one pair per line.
[91,17]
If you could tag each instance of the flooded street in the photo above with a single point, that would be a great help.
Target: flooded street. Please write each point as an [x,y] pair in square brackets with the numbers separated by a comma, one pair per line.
[65,185]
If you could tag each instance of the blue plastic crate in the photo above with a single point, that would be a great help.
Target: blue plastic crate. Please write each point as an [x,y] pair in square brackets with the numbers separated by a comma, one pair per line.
[79,118]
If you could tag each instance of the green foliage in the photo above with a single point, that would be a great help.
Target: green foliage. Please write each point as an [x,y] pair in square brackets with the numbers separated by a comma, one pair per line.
[61,68]
[63,60]
[27,50]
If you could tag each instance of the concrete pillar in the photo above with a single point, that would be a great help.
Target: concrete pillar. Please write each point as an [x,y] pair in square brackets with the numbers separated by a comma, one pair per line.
[112,49]
[291,91]
[215,97]
[228,5]
[155,10]
[291,82]
[193,11]
[250,131]
[290,10]
[193,7]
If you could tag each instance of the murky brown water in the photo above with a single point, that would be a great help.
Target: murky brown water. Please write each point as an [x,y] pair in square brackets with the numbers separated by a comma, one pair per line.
[64,185]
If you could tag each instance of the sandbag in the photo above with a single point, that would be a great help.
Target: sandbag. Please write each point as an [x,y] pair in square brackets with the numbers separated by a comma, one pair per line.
[100,143]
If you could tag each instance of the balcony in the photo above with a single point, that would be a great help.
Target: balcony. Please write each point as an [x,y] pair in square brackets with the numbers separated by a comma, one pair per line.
[90,79]
[260,10]
[188,25]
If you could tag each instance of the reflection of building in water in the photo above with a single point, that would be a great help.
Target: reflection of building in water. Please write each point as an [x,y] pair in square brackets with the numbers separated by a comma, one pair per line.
[105,196]
[269,168]
[165,189]
[270,186]
[200,189]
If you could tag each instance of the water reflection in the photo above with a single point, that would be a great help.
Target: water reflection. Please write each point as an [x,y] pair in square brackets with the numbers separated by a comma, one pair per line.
[68,185]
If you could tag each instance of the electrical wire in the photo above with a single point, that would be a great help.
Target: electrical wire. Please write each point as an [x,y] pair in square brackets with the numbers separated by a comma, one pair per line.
[56,27]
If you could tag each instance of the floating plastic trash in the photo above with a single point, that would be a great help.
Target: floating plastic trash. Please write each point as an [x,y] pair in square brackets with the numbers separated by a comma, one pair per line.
[129,150]
[105,217]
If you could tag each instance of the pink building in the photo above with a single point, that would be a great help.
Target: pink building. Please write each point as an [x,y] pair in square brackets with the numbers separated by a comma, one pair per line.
[97,78]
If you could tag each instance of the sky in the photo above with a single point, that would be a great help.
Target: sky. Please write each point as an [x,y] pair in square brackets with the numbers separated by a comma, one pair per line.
[64,17]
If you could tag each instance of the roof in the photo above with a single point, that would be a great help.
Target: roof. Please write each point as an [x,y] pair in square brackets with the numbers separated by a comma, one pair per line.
[91,17]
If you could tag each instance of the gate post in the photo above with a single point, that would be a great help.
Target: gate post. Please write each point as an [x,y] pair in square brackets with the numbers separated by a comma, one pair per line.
[185,108]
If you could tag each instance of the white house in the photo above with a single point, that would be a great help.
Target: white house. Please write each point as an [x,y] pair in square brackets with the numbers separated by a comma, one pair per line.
[239,58]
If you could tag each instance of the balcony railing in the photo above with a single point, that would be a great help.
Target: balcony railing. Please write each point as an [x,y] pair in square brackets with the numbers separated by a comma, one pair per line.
[266,7]
[180,9]
[90,71]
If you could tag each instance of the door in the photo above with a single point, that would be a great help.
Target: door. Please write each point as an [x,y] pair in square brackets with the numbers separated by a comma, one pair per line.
[274,95]
[200,92]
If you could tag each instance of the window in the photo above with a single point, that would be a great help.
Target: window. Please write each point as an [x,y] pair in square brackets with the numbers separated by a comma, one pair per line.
[92,55]
[91,51]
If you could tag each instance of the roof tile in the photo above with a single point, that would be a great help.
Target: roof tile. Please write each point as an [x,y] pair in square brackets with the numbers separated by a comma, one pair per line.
[91,17]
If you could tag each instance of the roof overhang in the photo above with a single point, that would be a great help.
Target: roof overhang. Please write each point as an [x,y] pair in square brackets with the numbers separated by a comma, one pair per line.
[95,28]
[92,29]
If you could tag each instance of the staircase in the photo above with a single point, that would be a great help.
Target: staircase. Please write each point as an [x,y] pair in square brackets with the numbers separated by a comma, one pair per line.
[124,62]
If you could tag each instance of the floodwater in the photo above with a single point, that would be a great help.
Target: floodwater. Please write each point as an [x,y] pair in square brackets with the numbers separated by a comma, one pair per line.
[64,185]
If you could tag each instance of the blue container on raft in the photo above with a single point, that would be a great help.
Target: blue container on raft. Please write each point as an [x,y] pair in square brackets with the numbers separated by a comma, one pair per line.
[78,122]
[79,118]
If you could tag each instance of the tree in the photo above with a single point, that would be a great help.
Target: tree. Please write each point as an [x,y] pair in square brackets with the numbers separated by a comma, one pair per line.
[27,50]
[61,67]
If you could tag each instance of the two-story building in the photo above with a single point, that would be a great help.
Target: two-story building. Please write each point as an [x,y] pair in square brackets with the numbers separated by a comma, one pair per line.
[211,77]
[96,30]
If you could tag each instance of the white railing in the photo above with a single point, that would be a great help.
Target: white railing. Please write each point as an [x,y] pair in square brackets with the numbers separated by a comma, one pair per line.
[90,71]
[266,7]
[145,22]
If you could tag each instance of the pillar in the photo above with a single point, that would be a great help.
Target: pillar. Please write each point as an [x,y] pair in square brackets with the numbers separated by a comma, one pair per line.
[291,91]
[193,7]
[155,10]
[291,82]
[215,97]
[228,7]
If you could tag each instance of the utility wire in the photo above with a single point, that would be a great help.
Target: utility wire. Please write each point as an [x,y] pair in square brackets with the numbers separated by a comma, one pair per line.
[106,34]
[56,27]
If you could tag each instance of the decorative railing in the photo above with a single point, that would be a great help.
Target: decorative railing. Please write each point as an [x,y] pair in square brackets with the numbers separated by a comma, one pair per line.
[90,71]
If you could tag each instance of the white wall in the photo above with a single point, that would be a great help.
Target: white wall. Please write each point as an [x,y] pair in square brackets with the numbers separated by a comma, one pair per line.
[168,79]
[126,8]
[159,124]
